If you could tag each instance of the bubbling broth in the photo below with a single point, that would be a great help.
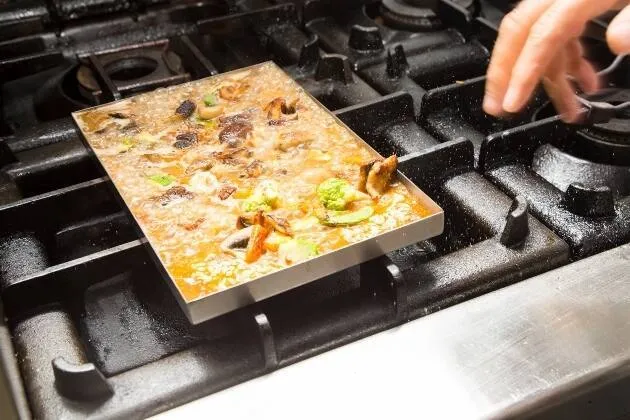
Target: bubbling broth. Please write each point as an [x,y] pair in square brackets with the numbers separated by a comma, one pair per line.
[242,174]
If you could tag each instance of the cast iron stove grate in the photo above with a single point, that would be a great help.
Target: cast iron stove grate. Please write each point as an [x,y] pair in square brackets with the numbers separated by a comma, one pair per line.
[97,332]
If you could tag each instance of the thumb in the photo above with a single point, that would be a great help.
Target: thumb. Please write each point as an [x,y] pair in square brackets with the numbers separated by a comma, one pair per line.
[618,35]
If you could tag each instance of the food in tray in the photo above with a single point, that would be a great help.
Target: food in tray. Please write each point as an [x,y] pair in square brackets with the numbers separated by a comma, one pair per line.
[240,175]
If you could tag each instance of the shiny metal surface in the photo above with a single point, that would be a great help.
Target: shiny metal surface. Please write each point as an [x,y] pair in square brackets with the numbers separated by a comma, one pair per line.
[514,353]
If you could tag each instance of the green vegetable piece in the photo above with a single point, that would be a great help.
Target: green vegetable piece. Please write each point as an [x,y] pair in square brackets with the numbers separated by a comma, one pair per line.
[296,250]
[126,144]
[346,218]
[265,197]
[210,99]
[336,194]
[163,180]
[256,203]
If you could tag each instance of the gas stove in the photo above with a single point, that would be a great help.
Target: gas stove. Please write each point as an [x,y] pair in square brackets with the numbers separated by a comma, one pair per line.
[91,328]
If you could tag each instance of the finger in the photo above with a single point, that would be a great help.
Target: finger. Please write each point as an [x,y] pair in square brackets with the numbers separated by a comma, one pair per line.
[562,21]
[578,67]
[618,35]
[511,39]
[560,90]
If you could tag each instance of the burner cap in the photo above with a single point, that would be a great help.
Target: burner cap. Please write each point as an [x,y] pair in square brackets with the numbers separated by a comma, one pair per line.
[411,15]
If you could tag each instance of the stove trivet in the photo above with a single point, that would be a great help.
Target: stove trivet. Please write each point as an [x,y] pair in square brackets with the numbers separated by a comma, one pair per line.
[132,70]
[358,34]
[106,308]
[603,133]
[600,111]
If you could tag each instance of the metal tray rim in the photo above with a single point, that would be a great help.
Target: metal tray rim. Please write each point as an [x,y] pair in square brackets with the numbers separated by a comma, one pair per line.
[250,292]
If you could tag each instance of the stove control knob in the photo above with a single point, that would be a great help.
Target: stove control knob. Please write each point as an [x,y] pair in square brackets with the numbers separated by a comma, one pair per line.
[396,62]
[334,66]
[589,202]
[516,227]
[365,39]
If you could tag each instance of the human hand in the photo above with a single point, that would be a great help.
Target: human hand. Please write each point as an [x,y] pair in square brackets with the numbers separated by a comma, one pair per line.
[537,41]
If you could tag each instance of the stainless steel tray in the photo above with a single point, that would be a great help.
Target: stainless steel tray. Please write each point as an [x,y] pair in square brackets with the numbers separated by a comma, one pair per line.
[224,301]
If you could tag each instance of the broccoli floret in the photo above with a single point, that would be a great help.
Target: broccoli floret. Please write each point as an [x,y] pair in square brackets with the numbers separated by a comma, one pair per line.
[336,194]
[265,197]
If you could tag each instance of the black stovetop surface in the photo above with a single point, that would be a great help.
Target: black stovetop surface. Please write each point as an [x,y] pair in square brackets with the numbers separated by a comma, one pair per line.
[96,332]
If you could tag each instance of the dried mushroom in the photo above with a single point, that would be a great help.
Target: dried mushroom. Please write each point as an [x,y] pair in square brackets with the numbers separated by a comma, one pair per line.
[254,169]
[238,239]
[185,140]
[278,111]
[235,133]
[174,193]
[234,91]
[293,139]
[226,191]
[278,224]
[198,165]
[240,117]
[186,108]
[376,176]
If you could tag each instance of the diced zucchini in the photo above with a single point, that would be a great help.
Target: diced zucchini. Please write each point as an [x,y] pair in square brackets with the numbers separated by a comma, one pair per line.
[346,218]
[163,180]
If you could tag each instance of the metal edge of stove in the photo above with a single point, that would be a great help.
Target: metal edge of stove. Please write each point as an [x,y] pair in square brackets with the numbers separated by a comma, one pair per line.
[13,402]
[553,346]
[222,302]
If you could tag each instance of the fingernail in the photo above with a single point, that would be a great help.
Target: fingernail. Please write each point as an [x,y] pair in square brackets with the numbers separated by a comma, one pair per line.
[571,116]
[491,105]
[511,103]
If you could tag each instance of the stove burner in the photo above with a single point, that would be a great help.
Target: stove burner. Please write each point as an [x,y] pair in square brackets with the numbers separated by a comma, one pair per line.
[131,70]
[411,15]
[608,142]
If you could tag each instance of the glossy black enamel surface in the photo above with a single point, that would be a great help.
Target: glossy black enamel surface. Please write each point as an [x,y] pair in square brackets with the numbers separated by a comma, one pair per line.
[521,196]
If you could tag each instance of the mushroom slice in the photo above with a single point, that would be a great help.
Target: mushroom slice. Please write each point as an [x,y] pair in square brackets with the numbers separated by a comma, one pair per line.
[278,111]
[254,169]
[226,191]
[276,223]
[174,193]
[235,133]
[186,108]
[290,140]
[229,156]
[194,225]
[239,117]
[364,171]
[238,239]
[185,140]
[198,165]
[249,219]
[380,175]
[279,224]
[232,92]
